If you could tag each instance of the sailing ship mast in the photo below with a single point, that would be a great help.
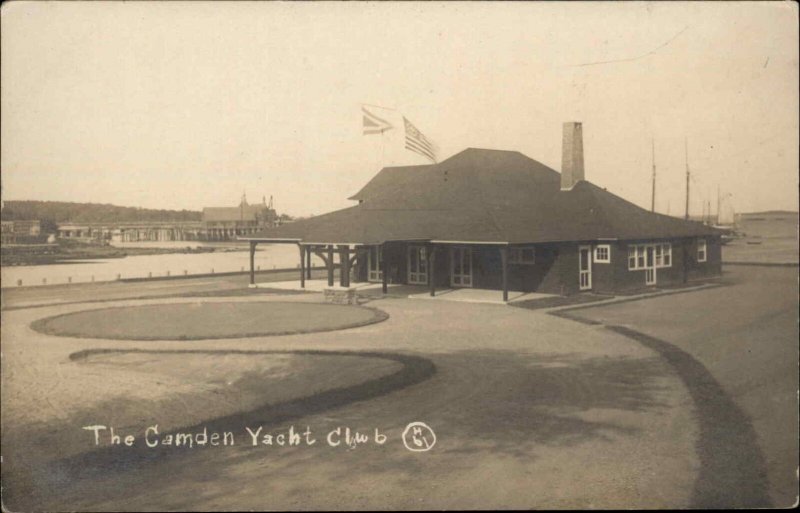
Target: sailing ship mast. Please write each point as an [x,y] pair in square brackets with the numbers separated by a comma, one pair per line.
[653,195]
[686,151]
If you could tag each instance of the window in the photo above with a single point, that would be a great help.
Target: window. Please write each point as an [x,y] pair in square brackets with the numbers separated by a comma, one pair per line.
[636,256]
[661,256]
[667,254]
[702,250]
[602,254]
[521,256]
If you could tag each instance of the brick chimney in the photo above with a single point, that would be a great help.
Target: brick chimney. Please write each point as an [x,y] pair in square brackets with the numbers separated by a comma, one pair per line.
[572,155]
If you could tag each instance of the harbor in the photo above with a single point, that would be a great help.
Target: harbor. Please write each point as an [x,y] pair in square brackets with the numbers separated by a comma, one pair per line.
[268,257]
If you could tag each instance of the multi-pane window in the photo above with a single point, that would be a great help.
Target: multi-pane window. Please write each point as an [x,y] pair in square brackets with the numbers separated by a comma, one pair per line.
[702,250]
[521,256]
[632,257]
[661,257]
[602,254]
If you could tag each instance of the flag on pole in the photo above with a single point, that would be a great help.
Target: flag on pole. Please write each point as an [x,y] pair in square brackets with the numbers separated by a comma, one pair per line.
[418,143]
[373,124]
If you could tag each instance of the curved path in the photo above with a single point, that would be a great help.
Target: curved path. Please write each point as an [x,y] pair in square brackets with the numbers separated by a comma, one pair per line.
[529,410]
[735,348]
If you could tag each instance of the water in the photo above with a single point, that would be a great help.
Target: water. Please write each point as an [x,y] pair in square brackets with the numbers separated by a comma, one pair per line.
[268,256]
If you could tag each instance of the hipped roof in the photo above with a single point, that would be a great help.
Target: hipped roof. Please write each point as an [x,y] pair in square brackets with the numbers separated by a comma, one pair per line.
[482,195]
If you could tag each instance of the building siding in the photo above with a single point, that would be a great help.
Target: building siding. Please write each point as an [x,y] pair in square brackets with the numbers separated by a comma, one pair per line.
[556,270]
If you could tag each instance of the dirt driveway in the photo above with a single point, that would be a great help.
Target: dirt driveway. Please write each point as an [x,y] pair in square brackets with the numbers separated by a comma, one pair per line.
[529,411]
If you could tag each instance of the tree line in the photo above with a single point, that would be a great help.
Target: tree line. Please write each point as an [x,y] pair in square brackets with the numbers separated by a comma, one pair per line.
[60,211]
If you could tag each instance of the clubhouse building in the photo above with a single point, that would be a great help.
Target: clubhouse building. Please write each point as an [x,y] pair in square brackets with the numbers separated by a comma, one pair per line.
[499,220]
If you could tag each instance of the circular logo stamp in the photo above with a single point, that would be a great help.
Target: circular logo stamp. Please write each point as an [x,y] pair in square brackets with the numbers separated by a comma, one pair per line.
[419,437]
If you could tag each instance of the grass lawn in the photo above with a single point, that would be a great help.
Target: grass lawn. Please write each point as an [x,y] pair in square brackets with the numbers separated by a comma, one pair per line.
[207,320]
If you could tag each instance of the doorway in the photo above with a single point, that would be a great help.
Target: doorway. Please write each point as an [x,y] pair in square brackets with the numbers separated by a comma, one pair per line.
[417,265]
[374,268]
[585,267]
[461,267]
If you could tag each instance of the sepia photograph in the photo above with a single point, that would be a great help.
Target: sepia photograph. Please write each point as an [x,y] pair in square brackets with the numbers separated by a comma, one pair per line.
[403,256]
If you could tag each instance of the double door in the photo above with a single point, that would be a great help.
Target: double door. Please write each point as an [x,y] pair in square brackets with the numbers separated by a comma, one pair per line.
[461,267]
[417,265]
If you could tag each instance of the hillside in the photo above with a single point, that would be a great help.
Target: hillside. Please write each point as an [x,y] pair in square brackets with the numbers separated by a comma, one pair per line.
[60,211]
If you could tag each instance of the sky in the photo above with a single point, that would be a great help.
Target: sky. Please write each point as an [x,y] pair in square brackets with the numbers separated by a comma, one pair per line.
[183,105]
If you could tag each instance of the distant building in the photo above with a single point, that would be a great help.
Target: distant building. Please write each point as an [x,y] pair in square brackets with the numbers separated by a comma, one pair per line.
[227,223]
[8,235]
[217,224]
[153,231]
[772,224]
[20,231]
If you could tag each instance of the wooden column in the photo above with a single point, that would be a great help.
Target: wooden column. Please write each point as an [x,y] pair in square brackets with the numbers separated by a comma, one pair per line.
[302,262]
[344,266]
[253,262]
[431,256]
[504,259]
[355,262]
[330,266]
[308,263]
[384,271]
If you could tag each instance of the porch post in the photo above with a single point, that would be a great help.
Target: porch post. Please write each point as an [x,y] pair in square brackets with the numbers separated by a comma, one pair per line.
[330,266]
[504,259]
[302,270]
[384,271]
[344,266]
[308,263]
[431,256]
[252,262]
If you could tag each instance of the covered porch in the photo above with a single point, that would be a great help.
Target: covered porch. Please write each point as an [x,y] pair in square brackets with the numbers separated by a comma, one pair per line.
[465,271]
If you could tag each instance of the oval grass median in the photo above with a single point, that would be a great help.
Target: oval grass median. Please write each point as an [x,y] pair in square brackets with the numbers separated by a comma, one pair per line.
[207,320]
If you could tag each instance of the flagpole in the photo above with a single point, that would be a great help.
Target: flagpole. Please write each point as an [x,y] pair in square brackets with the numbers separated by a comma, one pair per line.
[686,153]
[653,195]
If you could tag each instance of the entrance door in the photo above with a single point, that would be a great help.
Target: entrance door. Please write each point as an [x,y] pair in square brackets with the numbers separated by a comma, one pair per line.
[461,267]
[417,265]
[650,265]
[374,270]
[585,267]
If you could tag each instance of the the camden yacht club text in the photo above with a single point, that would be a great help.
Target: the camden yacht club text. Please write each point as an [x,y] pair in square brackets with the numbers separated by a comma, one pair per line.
[416,437]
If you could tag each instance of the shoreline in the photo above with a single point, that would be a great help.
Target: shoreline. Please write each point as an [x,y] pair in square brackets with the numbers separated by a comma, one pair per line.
[55,254]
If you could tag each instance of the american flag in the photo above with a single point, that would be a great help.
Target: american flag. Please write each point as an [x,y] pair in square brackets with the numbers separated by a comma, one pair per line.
[373,124]
[418,143]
